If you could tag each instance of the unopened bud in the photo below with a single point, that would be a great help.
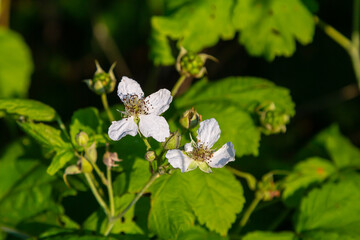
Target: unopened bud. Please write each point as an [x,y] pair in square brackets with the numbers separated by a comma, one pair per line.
[173,141]
[190,119]
[82,139]
[271,119]
[110,159]
[102,82]
[84,165]
[192,64]
[150,156]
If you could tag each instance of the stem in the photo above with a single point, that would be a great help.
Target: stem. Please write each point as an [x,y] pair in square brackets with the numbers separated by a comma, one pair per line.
[96,193]
[106,107]
[351,46]
[62,125]
[147,185]
[138,196]
[110,192]
[148,146]
[250,210]
[15,232]
[250,179]
[99,172]
[4,13]
[178,84]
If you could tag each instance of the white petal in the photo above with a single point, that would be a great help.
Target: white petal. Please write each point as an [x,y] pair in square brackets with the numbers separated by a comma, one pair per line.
[158,102]
[120,129]
[188,147]
[128,86]
[178,159]
[222,156]
[154,126]
[209,132]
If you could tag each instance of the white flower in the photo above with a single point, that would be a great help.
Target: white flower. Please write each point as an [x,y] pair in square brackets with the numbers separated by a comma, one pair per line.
[199,154]
[142,111]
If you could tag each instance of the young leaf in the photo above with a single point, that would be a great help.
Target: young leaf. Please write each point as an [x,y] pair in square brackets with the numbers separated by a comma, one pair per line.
[270,236]
[15,65]
[31,109]
[271,28]
[232,102]
[334,209]
[310,171]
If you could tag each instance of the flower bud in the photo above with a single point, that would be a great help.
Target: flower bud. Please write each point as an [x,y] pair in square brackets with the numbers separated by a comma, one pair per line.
[173,141]
[82,139]
[110,159]
[192,64]
[150,156]
[102,82]
[271,119]
[91,153]
[267,188]
[190,119]
[84,165]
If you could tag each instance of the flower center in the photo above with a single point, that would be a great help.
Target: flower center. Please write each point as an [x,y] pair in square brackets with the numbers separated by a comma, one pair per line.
[201,153]
[135,105]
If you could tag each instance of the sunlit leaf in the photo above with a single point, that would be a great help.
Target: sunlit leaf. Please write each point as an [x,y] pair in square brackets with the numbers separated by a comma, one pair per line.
[271,28]
[31,109]
[270,236]
[197,232]
[15,65]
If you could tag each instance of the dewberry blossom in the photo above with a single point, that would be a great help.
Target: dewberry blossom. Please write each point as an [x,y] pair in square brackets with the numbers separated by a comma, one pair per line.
[141,113]
[199,153]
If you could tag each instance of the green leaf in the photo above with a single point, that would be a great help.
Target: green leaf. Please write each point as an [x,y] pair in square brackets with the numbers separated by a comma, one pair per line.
[232,102]
[91,236]
[15,65]
[47,136]
[29,108]
[333,209]
[88,121]
[24,188]
[310,171]
[199,24]
[197,232]
[60,160]
[331,143]
[177,197]
[271,28]
[270,236]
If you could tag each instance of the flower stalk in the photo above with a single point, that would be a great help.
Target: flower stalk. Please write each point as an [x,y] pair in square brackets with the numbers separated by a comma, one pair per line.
[106,107]
[178,84]
[96,194]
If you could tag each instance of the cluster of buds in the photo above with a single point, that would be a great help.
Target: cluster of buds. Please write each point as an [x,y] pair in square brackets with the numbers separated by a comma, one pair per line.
[267,189]
[191,64]
[102,82]
[272,120]
[190,119]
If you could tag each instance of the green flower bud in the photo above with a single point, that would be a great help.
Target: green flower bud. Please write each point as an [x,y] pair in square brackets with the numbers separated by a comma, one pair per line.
[271,119]
[173,141]
[82,139]
[150,156]
[191,64]
[84,165]
[190,119]
[102,82]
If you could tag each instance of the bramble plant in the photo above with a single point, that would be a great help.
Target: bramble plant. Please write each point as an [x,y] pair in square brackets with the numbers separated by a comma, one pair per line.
[168,165]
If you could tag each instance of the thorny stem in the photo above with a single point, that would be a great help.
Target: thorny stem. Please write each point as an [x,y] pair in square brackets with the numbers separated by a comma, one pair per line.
[351,46]
[178,84]
[250,210]
[96,193]
[106,107]
[250,179]
[138,196]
